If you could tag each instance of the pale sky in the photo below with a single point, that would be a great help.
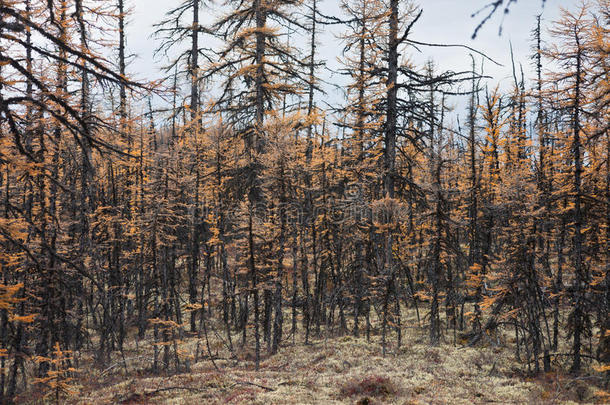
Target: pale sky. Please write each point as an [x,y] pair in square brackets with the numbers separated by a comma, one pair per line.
[443,21]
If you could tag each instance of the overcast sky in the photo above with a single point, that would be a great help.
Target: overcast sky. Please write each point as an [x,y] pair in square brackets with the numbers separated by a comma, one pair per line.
[443,21]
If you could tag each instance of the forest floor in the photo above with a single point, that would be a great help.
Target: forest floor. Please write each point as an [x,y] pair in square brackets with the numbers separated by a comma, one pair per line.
[337,370]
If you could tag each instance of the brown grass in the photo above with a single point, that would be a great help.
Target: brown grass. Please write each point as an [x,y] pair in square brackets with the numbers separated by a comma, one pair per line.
[369,386]
[338,370]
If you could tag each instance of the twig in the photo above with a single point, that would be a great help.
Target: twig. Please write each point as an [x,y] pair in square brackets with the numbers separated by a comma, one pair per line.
[121,362]
[254,384]
[141,396]
[192,389]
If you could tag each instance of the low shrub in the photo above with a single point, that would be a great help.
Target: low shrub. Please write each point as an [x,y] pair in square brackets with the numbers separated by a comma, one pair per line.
[369,386]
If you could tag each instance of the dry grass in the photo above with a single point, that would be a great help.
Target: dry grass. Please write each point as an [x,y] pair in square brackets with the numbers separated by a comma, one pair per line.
[369,386]
[339,370]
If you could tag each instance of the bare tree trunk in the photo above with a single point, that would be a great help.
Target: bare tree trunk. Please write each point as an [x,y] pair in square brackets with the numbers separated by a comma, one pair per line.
[196,125]
[579,270]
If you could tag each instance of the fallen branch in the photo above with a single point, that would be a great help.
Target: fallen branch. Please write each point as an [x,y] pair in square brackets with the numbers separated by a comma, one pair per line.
[137,396]
[254,384]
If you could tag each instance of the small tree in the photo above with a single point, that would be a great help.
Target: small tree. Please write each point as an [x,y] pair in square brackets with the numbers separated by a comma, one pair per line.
[57,382]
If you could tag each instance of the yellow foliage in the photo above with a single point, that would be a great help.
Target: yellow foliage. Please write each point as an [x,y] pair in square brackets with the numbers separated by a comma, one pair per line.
[7,295]
[488,302]
[57,381]
[192,307]
[602,368]
[474,280]
[23,319]
[603,396]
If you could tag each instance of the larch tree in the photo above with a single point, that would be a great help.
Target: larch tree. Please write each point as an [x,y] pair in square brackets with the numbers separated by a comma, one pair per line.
[573,57]
[260,68]
[189,224]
